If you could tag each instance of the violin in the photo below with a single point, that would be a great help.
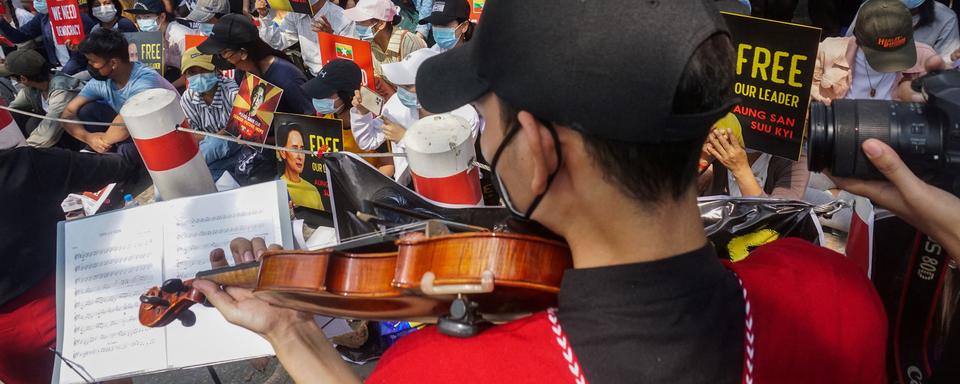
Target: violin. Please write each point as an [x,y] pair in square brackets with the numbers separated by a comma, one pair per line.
[424,276]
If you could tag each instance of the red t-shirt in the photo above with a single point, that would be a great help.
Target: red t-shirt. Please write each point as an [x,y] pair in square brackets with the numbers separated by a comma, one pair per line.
[811,317]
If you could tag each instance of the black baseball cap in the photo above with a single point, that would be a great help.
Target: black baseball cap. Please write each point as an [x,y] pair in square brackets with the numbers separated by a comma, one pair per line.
[884,31]
[145,7]
[445,11]
[232,31]
[607,70]
[25,62]
[340,75]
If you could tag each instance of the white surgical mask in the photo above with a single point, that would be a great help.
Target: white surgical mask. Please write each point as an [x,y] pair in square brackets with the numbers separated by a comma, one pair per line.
[105,13]
[148,25]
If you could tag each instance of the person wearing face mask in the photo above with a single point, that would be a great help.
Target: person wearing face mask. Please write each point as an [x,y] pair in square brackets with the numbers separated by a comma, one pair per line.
[376,22]
[733,170]
[108,14]
[451,23]
[206,13]
[399,112]
[114,80]
[647,298]
[332,91]
[236,40]
[151,17]
[59,55]
[301,28]
[207,103]
[934,24]
[44,93]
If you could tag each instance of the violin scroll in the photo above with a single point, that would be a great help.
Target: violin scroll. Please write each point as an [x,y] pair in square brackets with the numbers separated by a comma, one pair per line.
[170,301]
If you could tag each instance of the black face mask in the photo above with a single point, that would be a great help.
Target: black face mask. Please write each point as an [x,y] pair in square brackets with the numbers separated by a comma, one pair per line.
[95,74]
[502,189]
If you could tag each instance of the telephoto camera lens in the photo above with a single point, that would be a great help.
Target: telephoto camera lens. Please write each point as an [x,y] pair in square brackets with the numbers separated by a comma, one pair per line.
[914,130]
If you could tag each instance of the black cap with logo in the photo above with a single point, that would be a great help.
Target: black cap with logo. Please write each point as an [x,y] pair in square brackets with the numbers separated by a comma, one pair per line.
[233,31]
[884,30]
[608,70]
[146,7]
[340,75]
[446,11]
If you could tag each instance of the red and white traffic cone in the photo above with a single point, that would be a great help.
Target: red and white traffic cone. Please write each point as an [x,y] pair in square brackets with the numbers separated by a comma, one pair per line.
[173,158]
[441,155]
[10,135]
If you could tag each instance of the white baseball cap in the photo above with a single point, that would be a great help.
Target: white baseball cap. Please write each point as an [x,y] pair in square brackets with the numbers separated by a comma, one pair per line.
[405,72]
[372,9]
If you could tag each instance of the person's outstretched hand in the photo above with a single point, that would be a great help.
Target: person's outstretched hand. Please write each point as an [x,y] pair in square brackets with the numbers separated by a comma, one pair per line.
[933,211]
[238,305]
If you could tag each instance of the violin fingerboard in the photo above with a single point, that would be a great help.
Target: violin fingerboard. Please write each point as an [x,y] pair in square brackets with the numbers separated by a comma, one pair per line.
[244,276]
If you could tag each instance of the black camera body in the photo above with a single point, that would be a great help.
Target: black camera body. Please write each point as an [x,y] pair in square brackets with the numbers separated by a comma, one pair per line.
[926,136]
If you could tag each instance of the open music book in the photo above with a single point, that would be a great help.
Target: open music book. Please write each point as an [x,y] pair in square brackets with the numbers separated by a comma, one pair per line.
[106,262]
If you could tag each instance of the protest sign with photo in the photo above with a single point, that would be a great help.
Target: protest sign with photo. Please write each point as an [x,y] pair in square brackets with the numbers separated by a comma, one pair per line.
[310,7]
[774,74]
[476,9]
[147,48]
[65,21]
[305,175]
[334,47]
[253,109]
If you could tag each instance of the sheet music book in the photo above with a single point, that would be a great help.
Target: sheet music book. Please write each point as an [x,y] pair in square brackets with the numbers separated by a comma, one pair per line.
[105,262]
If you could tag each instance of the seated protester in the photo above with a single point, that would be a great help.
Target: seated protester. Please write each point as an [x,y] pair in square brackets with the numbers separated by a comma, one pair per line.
[114,80]
[647,300]
[934,24]
[732,170]
[332,90]
[59,55]
[860,68]
[332,93]
[376,21]
[205,14]
[43,93]
[399,113]
[36,181]
[207,102]
[151,17]
[301,28]
[108,13]
[235,39]
[451,24]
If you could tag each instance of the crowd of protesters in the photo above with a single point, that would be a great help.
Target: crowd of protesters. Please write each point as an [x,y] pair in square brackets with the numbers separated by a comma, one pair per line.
[515,80]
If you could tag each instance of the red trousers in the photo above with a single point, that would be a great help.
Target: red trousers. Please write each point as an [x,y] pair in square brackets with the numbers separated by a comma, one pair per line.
[28,327]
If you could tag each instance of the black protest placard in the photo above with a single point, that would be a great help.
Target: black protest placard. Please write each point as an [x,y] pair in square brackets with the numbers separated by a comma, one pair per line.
[774,74]
[304,174]
[147,48]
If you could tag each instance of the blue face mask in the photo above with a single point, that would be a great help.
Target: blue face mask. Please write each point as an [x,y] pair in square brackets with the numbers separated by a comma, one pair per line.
[324,106]
[148,25]
[446,37]
[364,33]
[203,82]
[407,98]
[206,29]
[912,4]
[40,6]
